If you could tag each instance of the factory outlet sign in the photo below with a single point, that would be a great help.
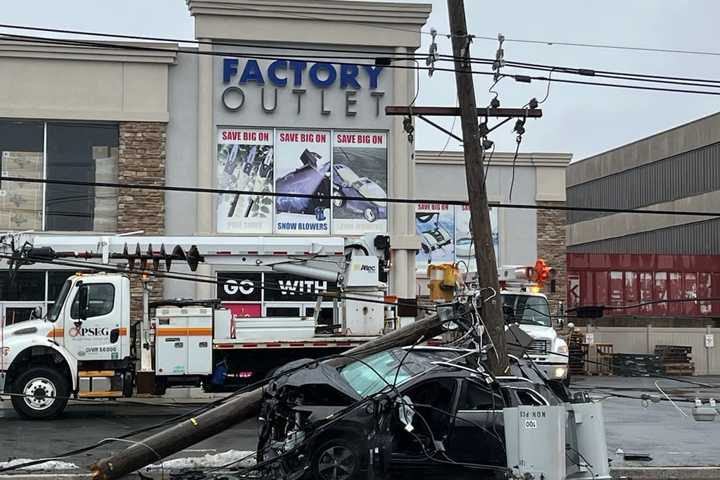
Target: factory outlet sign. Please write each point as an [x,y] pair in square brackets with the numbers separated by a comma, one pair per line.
[293,86]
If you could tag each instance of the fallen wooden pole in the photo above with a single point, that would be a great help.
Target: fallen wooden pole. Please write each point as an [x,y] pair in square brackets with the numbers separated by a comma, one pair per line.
[243,407]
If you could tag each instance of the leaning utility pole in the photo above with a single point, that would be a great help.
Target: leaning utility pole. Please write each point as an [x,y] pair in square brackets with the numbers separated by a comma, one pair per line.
[477,194]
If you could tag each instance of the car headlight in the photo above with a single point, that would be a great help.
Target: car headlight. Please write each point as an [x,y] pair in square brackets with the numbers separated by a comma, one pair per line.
[562,347]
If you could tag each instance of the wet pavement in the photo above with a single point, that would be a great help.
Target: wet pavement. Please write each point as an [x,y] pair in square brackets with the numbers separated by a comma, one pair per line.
[83,424]
[659,430]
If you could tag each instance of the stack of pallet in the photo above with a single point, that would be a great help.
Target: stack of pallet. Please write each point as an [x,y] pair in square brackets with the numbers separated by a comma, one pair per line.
[676,359]
[577,353]
[637,365]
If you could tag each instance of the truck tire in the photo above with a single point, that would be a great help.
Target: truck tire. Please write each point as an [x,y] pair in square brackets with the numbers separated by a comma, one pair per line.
[42,393]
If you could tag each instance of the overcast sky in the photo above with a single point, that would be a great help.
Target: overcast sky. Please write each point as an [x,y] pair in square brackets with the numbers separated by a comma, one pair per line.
[581,120]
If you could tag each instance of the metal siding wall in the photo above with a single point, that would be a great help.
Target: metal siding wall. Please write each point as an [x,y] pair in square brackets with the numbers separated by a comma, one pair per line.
[680,176]
[701,238]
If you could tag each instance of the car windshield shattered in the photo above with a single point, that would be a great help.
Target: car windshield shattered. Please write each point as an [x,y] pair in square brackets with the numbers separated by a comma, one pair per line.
[392,367]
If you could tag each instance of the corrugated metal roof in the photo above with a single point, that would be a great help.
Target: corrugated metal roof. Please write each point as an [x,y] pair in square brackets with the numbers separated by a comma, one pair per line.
[680,176]
[701,238]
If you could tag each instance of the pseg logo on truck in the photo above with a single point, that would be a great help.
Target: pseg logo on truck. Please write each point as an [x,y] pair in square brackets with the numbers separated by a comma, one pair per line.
[89,332]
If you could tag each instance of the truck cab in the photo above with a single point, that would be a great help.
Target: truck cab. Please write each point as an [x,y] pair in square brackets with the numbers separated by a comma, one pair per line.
[80,348]
[531,312]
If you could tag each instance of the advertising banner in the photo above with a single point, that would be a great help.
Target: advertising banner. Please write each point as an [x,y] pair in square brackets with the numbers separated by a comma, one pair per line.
[303,165]
[291,288]
[359,172]
[434,223]
[245,162]
[464,245]
[239,286]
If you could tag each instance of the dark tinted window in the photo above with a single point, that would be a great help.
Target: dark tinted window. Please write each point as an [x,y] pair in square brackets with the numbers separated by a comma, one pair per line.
[85,153]
[475,397]
[56,279]
[25,286]
[101,299]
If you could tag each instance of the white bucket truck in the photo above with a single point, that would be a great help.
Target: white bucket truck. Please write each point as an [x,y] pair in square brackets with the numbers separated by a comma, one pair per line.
[91,345]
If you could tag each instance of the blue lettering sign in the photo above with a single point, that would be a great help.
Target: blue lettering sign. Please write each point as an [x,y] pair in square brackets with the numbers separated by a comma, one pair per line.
[282,72]
[374,74]
[272,73]
[298,68]
[252,73]
[348,76]
[229,68]
[315,75]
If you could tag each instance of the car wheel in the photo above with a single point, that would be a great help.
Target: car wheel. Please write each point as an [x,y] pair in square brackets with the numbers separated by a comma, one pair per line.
[336,459]
[370,214]
[42,393]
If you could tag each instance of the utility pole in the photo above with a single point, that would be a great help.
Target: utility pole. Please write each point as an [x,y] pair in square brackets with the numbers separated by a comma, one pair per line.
[487,272]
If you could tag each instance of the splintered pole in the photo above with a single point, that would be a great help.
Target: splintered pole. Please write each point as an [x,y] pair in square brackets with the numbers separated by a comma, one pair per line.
[243,407]
[479,212]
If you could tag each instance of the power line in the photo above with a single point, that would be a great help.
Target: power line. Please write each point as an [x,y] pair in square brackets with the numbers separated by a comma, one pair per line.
[169,188]
[602,46]
[409,56]
[380,60]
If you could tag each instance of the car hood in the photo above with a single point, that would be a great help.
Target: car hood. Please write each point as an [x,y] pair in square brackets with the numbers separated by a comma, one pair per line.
[314,374]
[37,327]
[538,332]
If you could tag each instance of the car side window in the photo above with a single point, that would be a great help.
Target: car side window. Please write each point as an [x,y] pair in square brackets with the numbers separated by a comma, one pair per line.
[101,301]
[475,397]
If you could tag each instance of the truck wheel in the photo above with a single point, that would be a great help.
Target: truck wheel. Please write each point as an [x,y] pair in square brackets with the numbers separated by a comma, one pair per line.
[336,459]
[42,393]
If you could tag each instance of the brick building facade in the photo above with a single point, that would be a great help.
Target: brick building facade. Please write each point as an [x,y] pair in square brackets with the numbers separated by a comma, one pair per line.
[551,244]
[142,155]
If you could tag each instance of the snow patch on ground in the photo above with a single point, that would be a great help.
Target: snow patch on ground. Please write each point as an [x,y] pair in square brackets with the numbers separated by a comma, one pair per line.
[49,465]
[243,459]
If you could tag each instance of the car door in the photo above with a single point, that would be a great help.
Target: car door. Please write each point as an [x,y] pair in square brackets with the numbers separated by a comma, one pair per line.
[433,402]
[478,436]
[96,337]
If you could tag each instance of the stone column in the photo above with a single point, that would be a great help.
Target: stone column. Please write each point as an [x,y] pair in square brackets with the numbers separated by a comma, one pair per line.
[141,159]
[551,246]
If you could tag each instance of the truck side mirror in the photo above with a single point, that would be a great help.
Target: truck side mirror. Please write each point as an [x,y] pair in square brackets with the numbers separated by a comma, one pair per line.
[83,302]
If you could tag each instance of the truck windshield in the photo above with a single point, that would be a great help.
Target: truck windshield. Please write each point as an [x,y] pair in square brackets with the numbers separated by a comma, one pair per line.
[526,310]
[54,311]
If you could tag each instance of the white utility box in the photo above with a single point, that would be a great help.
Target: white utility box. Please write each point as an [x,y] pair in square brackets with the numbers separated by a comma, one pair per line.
[183,340]
[535,441]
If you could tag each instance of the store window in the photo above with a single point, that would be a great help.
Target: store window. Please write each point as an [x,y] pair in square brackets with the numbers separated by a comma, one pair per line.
[86,152]
[28,289]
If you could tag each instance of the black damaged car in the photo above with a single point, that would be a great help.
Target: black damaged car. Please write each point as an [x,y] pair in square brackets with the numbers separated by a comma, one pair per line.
[418,412]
